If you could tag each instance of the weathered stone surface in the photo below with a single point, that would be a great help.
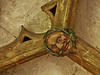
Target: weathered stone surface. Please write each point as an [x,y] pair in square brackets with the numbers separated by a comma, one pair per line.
[14,13]
[5,37]
[48,65]
[87,24]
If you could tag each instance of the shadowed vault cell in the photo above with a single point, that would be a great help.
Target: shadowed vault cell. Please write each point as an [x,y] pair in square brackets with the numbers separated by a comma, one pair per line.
[26,39]
[53,10]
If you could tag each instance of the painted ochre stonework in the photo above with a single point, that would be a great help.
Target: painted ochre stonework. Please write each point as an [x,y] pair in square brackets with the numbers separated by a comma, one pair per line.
[60,42]
[17,46]
[24,51]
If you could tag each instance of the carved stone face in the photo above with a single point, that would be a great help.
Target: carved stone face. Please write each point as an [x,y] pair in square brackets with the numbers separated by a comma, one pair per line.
[57,42]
